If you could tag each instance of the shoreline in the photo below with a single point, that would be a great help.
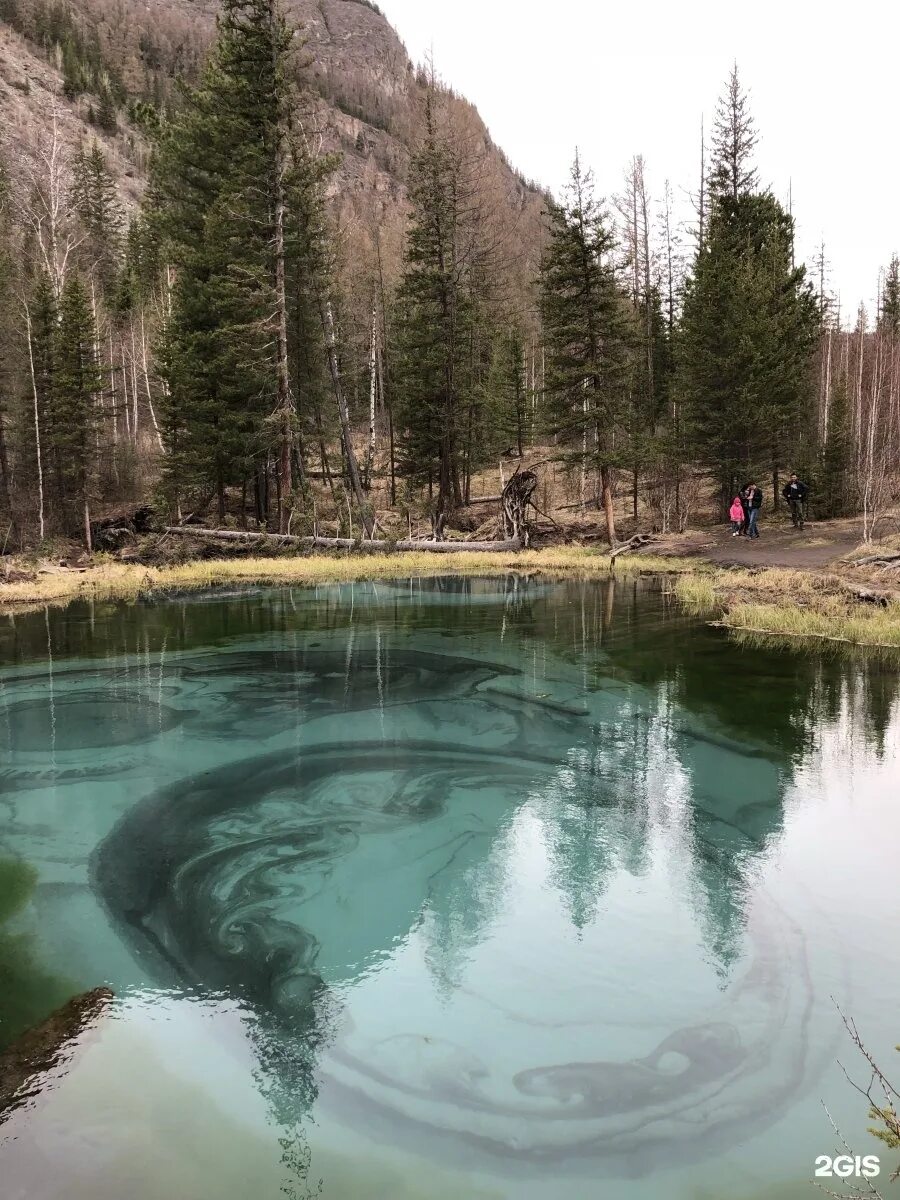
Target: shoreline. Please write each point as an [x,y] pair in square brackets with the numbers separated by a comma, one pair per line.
[817,606]
[59,586]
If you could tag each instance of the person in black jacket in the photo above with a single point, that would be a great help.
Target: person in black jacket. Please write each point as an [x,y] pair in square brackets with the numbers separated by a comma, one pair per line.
[795,492]
[754,498]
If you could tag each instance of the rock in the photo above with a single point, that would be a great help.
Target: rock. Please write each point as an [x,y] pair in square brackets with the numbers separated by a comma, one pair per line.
[46,1046]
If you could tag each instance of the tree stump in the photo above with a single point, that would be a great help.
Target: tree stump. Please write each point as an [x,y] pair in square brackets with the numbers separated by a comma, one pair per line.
[514,504]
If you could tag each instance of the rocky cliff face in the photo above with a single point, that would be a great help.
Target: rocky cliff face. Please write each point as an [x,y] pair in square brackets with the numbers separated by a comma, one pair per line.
[368,100]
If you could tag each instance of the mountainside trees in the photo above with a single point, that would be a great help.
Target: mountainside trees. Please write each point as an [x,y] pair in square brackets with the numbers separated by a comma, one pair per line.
[241,344]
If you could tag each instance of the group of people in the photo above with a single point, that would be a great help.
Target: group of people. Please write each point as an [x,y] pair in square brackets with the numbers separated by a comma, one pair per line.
[746,505]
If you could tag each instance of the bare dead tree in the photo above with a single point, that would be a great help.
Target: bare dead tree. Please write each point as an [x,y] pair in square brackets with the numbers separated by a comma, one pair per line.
[883,1100]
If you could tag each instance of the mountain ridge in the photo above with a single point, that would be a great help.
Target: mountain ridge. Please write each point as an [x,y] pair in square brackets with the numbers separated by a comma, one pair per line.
[368,100]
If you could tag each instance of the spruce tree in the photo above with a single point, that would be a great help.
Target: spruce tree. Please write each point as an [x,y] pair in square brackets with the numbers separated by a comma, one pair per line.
[889,315]
[833,497]
[749,324]
[73,408]
[587,339]
[219,180]
[96,200]
[439,301]
[733,141]
[506,407]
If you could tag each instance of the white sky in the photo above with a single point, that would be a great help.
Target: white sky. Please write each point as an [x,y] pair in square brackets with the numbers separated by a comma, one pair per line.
[625,78]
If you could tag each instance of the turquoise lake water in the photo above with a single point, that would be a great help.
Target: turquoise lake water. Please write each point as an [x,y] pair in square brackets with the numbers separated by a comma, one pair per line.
[441,888]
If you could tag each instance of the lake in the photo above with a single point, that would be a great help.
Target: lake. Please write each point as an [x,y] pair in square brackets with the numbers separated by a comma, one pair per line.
[441,888]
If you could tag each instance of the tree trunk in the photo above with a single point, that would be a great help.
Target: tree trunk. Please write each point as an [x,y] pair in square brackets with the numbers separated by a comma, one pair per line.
[373,386]
[37,426]
[87,522]
[4,484]
[284,400]
[343,413]
[606,484]
[339,543]
[147,385]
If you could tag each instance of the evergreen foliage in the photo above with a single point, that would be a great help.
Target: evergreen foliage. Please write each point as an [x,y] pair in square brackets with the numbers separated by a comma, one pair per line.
[73,393]
[587,337]
[214,179]
[749,325]
[889,317]
[96,201]
[833,497]
[733,142]
[443,354]
[506,408]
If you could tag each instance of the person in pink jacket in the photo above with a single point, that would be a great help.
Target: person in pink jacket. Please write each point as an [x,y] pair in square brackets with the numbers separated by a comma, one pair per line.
[736,512]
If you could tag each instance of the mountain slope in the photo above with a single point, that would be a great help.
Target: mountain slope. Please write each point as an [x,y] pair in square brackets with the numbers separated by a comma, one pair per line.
[368,101]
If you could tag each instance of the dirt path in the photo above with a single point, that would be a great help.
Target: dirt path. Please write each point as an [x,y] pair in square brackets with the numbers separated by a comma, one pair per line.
[779,545]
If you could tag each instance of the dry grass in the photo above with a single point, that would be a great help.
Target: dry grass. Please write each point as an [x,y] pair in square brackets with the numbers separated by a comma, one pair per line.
[698,593]
[834,620]
[887,545]
[117,581]
[779,602]
[752,603]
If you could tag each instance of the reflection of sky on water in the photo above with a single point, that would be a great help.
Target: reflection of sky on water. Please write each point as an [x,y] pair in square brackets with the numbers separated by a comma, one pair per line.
[521,878]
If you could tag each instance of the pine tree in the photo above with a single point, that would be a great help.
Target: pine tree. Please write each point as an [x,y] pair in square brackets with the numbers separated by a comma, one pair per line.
[96,200]
[506,393]
[73,408]
[747,335]
[889,316]
[586,338]
[734,139]
[220,184]
[833,498]
[749,323]
[440,299]
[106,115]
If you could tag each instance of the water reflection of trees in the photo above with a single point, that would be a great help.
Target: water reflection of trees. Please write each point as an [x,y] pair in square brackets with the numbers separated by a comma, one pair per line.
[679,698]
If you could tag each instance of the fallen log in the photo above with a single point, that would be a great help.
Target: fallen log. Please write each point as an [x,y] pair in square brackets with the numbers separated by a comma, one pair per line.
[326,543]
[867,596]
[881,560]
[635,543]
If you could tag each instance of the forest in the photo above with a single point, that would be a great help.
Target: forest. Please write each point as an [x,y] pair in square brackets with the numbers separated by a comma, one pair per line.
[221,351]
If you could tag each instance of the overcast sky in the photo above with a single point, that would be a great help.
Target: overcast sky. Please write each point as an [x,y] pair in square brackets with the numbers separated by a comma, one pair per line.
[625,79]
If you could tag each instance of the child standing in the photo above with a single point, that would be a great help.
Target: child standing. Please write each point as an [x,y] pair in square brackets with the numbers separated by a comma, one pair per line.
[736,512]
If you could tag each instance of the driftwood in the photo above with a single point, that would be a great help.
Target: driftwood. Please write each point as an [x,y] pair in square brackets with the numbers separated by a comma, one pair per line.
[881,560]
[635,543]
[47,1046]
[514,504]
[867,596]
[327,543]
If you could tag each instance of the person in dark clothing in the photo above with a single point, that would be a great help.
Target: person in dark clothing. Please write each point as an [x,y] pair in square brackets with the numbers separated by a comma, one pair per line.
[745,505]
[754,499]
[795,492]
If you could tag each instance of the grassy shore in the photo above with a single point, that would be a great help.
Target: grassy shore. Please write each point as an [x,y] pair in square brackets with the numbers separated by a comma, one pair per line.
[751,604]
[801,605]
[118,581]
